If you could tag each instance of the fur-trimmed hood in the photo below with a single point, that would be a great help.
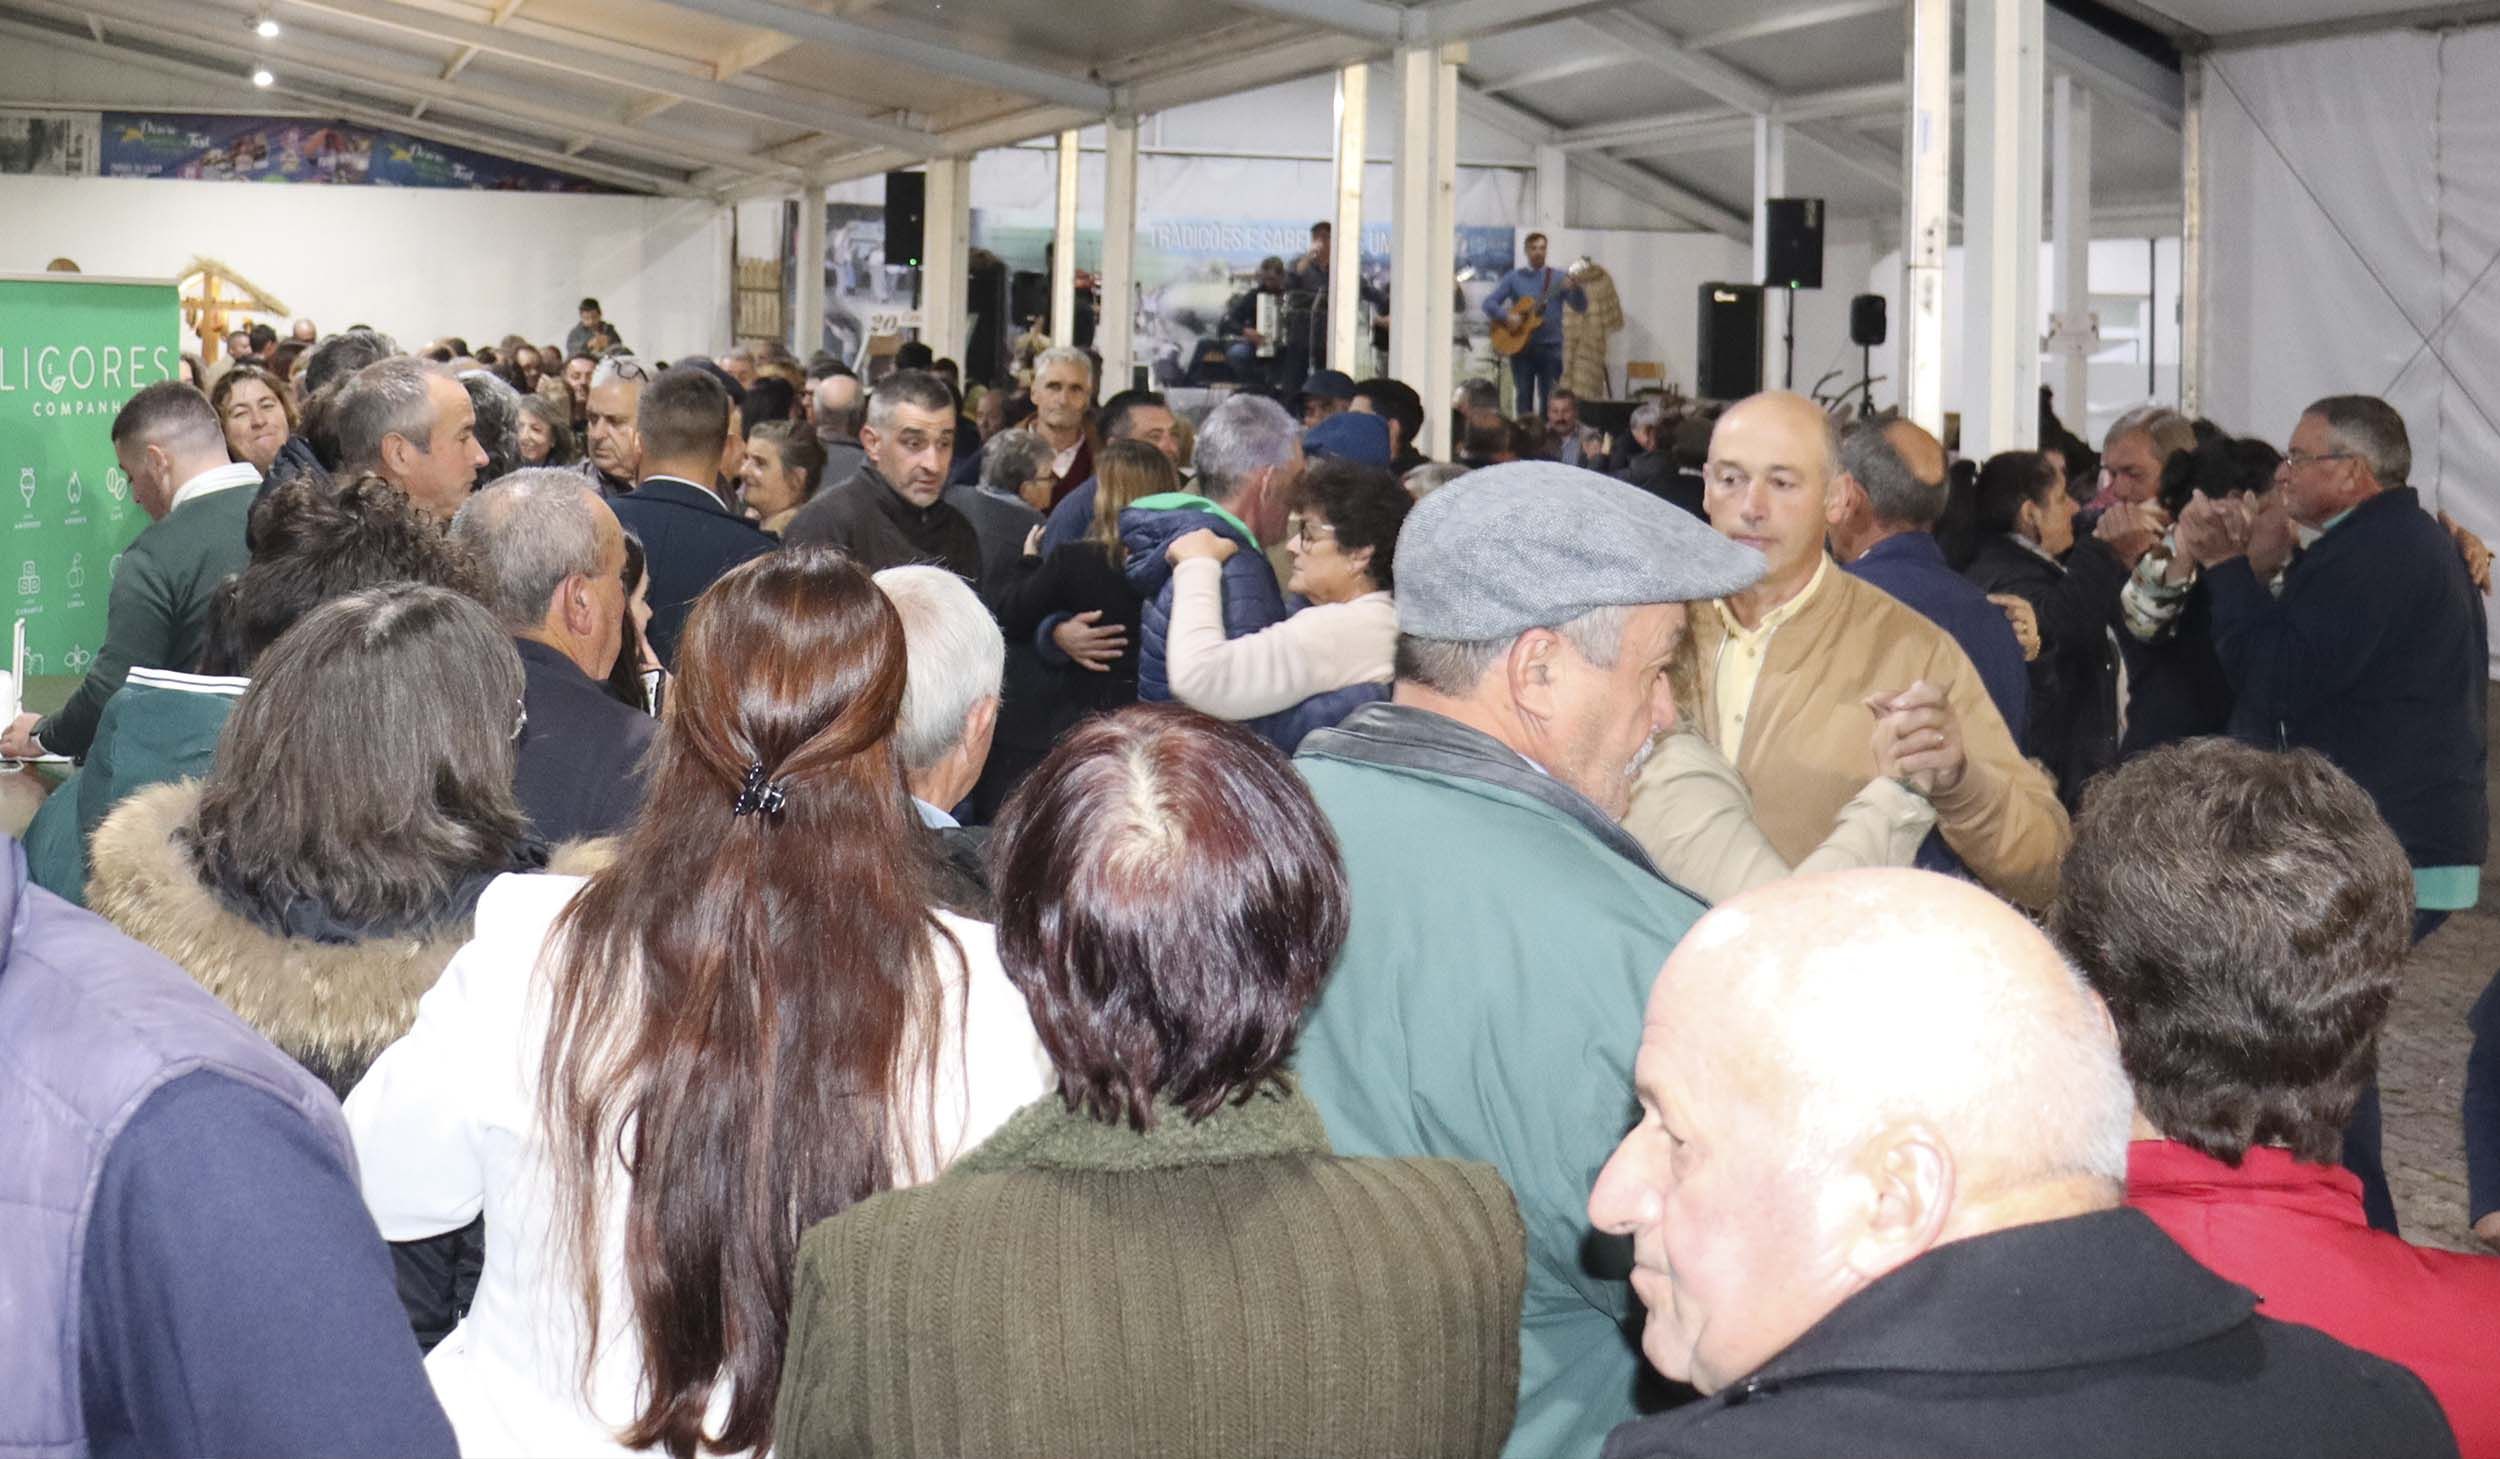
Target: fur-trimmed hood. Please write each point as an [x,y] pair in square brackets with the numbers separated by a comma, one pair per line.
[331,1006]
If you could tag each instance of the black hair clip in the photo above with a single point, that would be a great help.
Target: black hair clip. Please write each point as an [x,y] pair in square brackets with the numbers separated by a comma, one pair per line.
[757,796]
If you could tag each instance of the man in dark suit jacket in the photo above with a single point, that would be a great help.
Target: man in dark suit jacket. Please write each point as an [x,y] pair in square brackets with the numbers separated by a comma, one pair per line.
[690,534]
[1887,1222]
[552,558]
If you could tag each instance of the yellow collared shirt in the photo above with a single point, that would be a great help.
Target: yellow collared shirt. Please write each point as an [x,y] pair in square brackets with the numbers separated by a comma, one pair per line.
[1740,661]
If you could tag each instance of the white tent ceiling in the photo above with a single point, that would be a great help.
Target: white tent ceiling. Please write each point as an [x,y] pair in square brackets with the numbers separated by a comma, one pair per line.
[1654,97]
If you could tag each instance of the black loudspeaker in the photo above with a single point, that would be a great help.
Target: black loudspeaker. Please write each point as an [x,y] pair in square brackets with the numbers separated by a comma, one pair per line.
[1867,324]
[1730,365]
[1794,259]
[906,205]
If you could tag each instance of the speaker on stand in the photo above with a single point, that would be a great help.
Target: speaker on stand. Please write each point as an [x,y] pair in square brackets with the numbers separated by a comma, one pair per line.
[1729,359]
[1792,259]
[1867,328]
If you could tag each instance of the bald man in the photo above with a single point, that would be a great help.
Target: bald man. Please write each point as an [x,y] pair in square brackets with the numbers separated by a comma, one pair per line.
[1791,668]
[839,407]
[1874,1208]
[1892,487]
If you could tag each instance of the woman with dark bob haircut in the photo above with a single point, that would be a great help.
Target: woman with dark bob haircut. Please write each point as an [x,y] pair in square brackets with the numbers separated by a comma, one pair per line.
[1344,536]
[1164,1257]
[753,1018]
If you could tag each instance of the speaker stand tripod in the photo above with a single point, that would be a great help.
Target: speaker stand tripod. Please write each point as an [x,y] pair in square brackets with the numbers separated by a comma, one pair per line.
[1788,325]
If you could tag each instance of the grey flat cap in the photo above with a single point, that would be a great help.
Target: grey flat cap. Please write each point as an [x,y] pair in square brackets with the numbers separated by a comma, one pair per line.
[1534,544]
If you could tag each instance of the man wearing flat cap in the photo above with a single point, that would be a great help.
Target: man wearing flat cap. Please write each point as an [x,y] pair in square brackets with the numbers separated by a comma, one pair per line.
[1506,928]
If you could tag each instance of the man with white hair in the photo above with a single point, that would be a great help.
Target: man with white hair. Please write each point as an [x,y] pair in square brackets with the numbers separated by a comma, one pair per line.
[1874,1204]
[1506,927]
[550,557]
[1063,391]
[410,422]
[957,661]
[1249,469]
[609,441]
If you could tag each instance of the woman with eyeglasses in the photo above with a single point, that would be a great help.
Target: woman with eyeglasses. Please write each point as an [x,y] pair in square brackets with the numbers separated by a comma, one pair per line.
[752,1018]
[1343,535]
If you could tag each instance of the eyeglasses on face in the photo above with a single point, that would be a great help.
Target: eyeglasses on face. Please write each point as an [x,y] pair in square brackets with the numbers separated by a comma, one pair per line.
[2294,460]
[1308,531]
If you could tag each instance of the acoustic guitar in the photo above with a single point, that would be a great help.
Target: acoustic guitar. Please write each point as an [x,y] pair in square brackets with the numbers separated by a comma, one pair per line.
[1511,335]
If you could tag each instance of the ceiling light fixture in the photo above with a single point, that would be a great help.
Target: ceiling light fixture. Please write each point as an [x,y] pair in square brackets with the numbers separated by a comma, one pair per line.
[266,27]
[261,76]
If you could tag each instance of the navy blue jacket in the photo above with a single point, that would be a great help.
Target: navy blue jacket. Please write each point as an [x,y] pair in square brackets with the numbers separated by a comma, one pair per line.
[578,771]
[689,539]
[2375,656]
[1911,567]
[1251,602]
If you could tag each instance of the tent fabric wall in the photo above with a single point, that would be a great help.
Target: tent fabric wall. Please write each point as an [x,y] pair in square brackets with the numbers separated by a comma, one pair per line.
[2351,198]
[418,263]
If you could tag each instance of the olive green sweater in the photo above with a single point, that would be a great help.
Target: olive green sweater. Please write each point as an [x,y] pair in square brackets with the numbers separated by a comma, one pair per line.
[1228,1288]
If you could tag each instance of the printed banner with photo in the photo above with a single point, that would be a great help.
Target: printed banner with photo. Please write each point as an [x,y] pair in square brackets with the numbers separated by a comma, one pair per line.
[292,149]
[49,143]
[72,353]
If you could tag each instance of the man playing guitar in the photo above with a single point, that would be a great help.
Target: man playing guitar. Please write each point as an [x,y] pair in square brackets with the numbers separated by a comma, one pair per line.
[1529,329]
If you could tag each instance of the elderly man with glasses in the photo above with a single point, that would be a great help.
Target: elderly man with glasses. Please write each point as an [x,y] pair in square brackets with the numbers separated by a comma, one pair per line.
[2374,654]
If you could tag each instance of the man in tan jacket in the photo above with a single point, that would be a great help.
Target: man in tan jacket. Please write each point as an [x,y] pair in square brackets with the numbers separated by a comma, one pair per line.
[1791,669]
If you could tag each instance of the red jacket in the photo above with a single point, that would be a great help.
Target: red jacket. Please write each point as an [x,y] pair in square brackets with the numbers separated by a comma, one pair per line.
[2294,1234]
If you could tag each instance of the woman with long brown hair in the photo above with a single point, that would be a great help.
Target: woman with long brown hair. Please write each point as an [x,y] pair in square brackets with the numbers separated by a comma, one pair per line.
[656,1079]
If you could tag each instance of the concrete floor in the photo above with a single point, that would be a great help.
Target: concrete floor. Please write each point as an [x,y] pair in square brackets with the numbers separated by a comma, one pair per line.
[2422,1062]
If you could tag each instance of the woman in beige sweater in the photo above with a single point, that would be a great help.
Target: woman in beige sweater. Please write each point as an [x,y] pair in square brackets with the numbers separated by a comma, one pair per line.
[1344,534]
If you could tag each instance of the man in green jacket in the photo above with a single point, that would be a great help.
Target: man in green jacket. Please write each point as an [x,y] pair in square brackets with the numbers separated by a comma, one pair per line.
[1506,928]
[169,444]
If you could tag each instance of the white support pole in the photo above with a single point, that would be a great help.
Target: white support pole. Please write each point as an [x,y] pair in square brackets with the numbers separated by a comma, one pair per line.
[2192,242]
[1349,343]
[1115,334]
[2070,256]
[1553,181]
[2001,226]
[807,300]
[946,260]
[1770,180]
[1063,246]
[1423,258]
[1926,195]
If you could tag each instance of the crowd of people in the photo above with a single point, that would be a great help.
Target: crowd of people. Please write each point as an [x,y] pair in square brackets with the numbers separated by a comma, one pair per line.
[722,907]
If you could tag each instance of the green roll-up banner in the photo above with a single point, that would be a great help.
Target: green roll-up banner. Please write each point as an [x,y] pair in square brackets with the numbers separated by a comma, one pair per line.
[73,350]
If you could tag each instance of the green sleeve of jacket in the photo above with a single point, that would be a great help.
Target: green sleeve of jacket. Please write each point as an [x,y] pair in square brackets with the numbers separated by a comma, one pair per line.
[823,1373]
[139,629]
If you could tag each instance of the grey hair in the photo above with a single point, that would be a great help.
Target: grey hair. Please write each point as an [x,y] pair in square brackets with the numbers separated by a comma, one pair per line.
[526,534]
[2371,429]
[385,398]
[1455,667]
[842,421]
[498,409]
[1422,481]
[2169,431]
[369,766]
[1898,497]
[1242,437]
[916,388]
[955,657]
[1012,458]
[626,367]
[1649,415]
[1065,354]
[340,355]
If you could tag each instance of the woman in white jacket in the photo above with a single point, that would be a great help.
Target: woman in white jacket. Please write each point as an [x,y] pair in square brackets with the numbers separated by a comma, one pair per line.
[654,1081]
[1344,536]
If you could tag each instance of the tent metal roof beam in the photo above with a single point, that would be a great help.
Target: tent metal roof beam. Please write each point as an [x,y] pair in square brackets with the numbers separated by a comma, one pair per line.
[2429,17]
[350,109]
[1014,77]
[1663,49]
[1782,22]
[1415,25]
[827,114]
[1637,182]
[348,61]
